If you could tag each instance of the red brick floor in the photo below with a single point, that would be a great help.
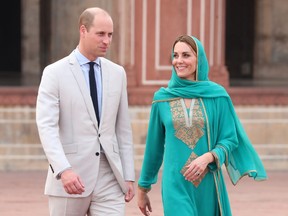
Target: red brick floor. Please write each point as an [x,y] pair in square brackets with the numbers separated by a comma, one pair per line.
[21,193]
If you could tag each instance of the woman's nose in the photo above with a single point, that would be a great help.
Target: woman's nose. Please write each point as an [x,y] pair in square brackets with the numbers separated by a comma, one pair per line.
[179,59]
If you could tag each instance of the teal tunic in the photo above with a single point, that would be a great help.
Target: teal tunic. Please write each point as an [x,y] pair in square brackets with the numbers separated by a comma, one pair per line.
[178,136]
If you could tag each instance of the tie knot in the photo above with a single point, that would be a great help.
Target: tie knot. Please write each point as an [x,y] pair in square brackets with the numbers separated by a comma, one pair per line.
[91,64]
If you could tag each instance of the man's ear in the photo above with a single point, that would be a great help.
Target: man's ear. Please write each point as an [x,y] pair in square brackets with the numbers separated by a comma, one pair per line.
[82,30]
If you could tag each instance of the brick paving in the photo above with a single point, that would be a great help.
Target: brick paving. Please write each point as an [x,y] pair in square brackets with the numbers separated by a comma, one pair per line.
[22,194]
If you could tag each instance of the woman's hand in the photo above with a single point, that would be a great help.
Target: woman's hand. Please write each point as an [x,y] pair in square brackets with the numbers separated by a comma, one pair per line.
[198,166]
[144,202]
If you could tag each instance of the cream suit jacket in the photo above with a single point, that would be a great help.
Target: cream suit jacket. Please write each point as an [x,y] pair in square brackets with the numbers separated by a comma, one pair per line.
[68,128]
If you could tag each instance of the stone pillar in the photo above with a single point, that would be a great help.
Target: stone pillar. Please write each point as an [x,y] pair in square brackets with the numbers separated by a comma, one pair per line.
[271,44]
[30,61]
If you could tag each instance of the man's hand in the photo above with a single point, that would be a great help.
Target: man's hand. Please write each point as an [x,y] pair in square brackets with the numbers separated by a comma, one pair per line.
[131,191]
[144,202]
[72,182]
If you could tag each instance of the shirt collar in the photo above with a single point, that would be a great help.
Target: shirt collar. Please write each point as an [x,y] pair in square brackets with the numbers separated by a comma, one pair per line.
[83,60]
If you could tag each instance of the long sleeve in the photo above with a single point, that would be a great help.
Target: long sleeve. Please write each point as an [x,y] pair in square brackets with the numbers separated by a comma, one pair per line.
[47,117]
[154,151]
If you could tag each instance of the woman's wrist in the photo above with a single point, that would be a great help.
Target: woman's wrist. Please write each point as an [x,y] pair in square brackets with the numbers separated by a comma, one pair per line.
[210,157]
[142,189]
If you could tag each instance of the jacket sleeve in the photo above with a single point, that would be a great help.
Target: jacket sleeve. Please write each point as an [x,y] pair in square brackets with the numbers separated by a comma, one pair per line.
[47,119]
[124,133]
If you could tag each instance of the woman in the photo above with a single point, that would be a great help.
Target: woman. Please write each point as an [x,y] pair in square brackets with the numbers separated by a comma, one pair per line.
[194,129]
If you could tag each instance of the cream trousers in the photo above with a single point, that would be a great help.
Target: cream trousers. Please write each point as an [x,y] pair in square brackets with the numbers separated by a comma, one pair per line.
[106,199]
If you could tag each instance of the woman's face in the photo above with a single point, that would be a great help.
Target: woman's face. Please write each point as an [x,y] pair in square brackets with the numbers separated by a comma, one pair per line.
[184,61]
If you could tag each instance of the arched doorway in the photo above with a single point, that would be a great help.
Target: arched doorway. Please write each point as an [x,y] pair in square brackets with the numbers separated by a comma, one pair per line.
[10,43]
[240,24]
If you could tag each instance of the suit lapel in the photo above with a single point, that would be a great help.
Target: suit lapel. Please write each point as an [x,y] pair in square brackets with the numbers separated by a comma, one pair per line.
[79,77]
[105,85]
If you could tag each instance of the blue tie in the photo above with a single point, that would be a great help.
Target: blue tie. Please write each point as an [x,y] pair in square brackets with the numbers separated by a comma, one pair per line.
[93,90]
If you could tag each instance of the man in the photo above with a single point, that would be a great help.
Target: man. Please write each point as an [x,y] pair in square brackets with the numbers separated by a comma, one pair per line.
[87,139]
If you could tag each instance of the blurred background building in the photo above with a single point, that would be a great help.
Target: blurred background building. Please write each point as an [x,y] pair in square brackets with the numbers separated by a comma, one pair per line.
[246,43]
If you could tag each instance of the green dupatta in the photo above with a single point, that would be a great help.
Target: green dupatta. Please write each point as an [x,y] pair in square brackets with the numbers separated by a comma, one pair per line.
[241,161]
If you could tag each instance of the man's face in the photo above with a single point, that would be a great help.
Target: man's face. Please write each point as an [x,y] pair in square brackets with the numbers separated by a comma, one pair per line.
[98,37]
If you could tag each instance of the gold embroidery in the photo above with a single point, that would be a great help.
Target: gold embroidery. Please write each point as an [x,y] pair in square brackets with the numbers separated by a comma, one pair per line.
[192,157]
[188,130]
[187,133]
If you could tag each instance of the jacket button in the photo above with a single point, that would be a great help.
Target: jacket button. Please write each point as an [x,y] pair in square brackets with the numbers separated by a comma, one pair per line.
[99,135]
[97,154]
